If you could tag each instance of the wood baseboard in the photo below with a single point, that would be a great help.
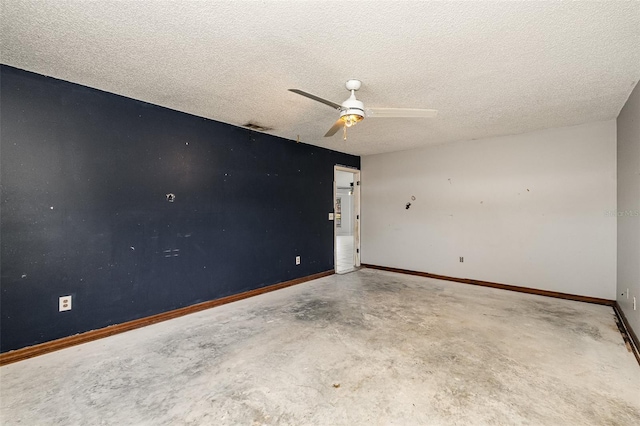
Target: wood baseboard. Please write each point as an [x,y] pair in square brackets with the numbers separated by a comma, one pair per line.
[529,290]
[628,334]
[65,342]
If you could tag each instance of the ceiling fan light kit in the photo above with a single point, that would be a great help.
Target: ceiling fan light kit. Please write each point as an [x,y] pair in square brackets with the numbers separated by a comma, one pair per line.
[352,110]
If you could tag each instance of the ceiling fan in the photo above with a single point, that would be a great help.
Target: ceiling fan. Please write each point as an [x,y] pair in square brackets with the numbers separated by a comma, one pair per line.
[353,111]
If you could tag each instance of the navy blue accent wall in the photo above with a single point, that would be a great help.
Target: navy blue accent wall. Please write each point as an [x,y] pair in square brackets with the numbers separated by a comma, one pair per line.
[84,178]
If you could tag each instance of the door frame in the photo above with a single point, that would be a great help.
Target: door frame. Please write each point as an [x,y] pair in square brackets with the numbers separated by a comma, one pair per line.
[356,215]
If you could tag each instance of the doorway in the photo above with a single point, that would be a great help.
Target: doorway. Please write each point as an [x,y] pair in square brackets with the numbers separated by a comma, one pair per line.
[346,223]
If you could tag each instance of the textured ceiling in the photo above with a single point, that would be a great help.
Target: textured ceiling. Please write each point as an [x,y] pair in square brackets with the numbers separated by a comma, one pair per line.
[490,68]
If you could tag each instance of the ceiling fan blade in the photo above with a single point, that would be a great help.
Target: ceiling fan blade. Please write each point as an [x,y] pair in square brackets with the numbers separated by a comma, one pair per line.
[316,98]
[336,126]
[401,113]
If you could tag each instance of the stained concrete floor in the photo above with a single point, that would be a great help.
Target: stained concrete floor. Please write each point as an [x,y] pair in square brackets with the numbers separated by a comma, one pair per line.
[370,347]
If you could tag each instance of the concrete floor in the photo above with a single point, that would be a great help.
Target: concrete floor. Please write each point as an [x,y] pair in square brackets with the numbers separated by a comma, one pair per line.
[369,347]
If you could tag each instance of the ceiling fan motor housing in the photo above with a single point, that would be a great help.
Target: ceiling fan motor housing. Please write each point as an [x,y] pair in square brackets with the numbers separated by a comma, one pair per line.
[352,106]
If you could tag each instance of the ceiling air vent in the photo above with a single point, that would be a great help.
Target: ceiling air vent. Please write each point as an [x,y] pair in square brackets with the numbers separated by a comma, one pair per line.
[257,127]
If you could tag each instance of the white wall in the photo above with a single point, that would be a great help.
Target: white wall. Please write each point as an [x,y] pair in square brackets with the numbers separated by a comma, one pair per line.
[528,210]
[346,225]
[629,208]
[345,180]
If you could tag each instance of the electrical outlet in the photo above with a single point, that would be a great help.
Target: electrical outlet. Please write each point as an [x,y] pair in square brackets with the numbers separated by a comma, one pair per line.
[461,259]
[297,260]
[634,303]
[330,216]
[64,303]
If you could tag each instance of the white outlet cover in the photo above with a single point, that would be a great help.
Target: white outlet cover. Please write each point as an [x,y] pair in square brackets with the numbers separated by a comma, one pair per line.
[64,303]
[297,260]
[330,216]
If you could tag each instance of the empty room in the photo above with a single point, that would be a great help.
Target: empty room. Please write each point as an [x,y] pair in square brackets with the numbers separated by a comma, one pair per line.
[319,212]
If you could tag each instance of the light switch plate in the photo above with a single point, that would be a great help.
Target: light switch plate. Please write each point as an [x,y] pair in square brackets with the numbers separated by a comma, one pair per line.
[330,216]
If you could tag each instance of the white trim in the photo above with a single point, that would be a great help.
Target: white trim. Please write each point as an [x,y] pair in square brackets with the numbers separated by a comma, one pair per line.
[356,214]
